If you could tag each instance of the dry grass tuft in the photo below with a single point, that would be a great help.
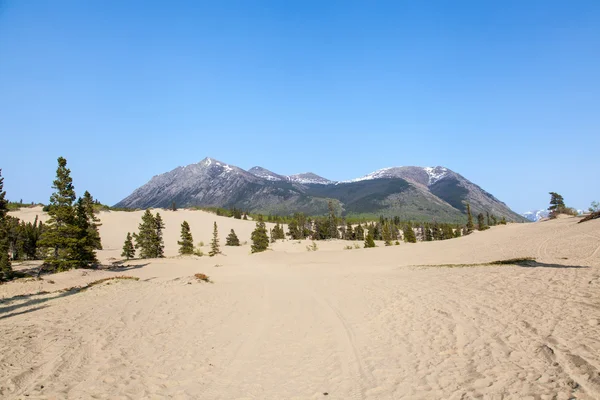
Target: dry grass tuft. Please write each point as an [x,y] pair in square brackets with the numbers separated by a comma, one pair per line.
[202,277]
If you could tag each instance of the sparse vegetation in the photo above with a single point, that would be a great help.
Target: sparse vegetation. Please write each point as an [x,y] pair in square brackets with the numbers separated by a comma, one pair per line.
[312,247]
[202,277]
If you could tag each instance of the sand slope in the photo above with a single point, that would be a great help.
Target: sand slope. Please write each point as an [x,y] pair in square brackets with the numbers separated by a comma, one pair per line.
[292,324]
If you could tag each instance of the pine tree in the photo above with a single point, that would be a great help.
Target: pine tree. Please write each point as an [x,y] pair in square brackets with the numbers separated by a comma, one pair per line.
[481,222]
[186,245]
[260,240]
[146,238]
[469,219]
[232,239]
[94,234]
[359,233]
[369,242]
[84,252]
[158,245]
[387,235]
[409,234]
[349,232]
[557,204]
[494,220]
[61,235]
[487,214]
[214,244]
[128,249]
[332,222]
[428,234]
[6,271]
[277,232]
[173,206]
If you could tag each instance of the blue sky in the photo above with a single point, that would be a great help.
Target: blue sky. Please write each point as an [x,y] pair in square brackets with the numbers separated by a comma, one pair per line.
[506,93]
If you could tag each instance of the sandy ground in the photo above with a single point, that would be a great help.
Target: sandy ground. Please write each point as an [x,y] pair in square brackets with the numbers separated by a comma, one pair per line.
[292,324]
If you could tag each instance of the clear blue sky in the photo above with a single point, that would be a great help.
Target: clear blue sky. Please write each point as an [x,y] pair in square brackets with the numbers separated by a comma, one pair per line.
[507,93]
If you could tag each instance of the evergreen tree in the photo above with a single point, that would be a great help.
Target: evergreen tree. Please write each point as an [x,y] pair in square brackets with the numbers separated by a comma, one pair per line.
[557,204]
[146,239]
[503,221]
[333,232]
[428,234]
[214,244]
[6,271]
[369,242]
[481,222]
[61,235]
[158,245]
[232,239]
[173,206]
[84,252]
[349,232]
[487,215]
[260,240]
[277,232]
[128,249]
[387,235]
[359,233]
[409,234]
[186,245]
[94,222]
[469,219]
[494,220]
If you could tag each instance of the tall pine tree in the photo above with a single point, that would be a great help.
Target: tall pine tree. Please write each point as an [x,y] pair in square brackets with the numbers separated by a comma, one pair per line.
[214,244]
[94,234]
[186,245]
[469,219]
[159,245]
[5,265]
[61,235]
[146,236]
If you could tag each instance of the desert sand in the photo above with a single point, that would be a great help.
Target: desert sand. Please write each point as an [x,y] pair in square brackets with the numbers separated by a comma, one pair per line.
[383,323]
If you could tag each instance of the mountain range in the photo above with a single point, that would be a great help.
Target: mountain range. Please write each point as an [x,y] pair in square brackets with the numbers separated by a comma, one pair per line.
[412,193]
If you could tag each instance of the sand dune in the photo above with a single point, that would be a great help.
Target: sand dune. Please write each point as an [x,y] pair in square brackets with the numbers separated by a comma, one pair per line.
[292,324]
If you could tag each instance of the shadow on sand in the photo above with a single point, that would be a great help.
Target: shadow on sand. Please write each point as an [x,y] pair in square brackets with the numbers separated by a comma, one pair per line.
[7,311]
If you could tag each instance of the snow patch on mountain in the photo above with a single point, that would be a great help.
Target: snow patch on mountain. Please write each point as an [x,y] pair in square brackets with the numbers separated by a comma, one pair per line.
[308,178]
[435,173]
[380,173]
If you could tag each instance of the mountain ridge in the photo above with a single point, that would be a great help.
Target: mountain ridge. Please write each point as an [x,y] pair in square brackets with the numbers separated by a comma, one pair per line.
[408,191]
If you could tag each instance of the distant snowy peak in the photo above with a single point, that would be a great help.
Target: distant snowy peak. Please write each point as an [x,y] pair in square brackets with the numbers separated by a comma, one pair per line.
[212,163]
[308,178]
[266,174]
[535,215]
[422,175]
[379,174]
